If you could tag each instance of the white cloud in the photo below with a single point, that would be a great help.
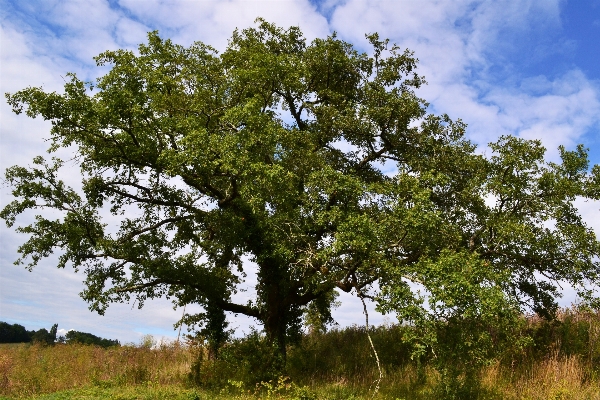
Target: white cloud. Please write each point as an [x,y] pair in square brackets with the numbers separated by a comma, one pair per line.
[21,65]
[561,116]
[67,32]
[130,33]
[590,212]
[454,42]
[213,21]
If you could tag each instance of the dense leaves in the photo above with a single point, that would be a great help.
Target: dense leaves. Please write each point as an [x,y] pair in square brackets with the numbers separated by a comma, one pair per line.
[14,333]
[316,162]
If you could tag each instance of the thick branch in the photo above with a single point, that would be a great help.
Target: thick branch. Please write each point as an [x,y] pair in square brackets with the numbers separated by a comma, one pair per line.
[238,308]
[225,305]
[293,110]
[304,299]
[148,200]
[136,288]
[153,227]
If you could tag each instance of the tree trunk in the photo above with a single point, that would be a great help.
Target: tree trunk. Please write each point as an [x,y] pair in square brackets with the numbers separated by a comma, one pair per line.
[275,315]
[276,327]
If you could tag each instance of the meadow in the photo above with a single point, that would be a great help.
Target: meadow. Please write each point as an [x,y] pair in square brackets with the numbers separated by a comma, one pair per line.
[562,361]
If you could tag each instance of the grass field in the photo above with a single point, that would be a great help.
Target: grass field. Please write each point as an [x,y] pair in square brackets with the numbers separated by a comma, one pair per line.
[563,362]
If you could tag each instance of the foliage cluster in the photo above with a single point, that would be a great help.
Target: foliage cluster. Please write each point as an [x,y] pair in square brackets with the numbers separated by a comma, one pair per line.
[575,332]
[87,338]
[16,333]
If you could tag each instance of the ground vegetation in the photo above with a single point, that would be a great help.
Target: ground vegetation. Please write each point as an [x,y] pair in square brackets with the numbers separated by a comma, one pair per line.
[561,361]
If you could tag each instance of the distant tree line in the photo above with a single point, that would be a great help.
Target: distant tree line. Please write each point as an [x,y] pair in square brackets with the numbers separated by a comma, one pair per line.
[16,333]
[88,338]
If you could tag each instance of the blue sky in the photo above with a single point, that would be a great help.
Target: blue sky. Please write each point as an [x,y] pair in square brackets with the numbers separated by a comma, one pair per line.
[521,67]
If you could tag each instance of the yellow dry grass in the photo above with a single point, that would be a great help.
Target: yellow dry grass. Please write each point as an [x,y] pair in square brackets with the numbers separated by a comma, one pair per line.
[27,369]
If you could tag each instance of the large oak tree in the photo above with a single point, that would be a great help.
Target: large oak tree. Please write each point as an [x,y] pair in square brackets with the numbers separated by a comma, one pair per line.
[314,160]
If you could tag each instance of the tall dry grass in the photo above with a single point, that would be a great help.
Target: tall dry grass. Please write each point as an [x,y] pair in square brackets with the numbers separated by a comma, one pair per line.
[27,369]
[555,378]
[562,362]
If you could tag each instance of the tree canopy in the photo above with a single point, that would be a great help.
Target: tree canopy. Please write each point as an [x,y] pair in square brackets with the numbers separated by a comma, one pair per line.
[317,162]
